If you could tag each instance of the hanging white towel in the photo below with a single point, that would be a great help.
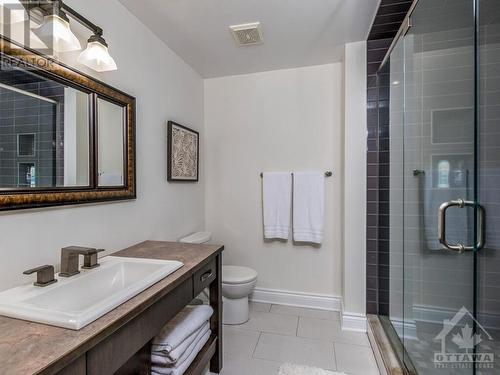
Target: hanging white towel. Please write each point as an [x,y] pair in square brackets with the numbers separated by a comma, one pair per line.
[277,197]
[308,206]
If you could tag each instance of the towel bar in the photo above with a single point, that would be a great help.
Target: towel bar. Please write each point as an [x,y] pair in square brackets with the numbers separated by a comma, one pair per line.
[327,174]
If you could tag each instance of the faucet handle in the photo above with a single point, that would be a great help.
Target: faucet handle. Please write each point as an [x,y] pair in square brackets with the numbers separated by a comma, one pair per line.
[90,259]
[44,275]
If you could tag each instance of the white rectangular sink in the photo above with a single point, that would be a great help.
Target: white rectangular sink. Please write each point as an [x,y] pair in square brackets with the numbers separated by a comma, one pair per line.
[77,301]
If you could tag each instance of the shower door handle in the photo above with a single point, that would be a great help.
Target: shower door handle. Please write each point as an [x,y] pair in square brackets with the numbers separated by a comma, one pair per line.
[442,225]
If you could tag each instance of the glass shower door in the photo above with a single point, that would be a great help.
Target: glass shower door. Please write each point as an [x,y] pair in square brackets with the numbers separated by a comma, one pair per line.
[488,258]
[439,187]
[444,189]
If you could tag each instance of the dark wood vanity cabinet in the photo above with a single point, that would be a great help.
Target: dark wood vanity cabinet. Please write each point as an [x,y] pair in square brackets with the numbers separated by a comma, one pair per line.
[77,367]
[116,350]
[127,350]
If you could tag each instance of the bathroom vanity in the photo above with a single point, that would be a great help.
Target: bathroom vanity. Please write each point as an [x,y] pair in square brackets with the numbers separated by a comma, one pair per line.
[119,342]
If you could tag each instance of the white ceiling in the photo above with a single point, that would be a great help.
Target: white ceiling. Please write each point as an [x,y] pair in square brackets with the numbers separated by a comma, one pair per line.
[296,32]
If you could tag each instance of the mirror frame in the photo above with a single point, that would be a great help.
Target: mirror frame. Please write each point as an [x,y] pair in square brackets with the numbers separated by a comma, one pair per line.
[21,198]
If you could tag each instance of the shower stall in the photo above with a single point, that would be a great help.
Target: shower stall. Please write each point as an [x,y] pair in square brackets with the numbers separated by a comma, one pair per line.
[442,80]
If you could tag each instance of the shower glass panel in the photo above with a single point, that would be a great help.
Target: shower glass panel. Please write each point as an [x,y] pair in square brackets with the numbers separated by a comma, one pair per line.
[439,149]
[488,258]
[444,107]
[396,69]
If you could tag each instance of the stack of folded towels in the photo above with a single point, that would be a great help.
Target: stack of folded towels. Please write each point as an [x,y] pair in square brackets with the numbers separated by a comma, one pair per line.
[178,343]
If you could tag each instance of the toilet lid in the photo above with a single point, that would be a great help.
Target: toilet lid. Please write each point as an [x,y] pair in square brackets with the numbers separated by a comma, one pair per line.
[237,275]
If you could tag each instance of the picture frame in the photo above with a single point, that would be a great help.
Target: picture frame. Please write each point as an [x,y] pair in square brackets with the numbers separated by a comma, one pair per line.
[183,153]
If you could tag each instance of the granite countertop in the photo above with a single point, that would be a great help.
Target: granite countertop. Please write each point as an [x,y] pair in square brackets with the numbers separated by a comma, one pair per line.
[31,348]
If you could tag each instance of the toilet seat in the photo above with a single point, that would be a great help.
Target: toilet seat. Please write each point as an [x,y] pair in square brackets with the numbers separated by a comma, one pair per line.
[235,275]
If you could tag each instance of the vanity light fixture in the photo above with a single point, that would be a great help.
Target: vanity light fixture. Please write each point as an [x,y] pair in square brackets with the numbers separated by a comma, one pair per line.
[55,30]
[96,56]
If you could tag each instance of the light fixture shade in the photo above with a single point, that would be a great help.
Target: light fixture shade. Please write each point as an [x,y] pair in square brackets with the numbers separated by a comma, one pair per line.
[97,57]
[55,32]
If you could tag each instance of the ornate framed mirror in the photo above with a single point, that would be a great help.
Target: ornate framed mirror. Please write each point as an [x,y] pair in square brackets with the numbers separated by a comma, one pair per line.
[65,137]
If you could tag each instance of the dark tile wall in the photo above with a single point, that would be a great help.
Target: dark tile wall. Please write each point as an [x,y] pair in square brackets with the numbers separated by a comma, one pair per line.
[389,18]
[23,114]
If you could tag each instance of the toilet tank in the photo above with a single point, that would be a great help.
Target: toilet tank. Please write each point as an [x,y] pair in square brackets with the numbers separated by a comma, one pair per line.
[198,237]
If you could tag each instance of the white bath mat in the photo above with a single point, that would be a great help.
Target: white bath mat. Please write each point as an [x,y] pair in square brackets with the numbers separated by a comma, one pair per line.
[290,369]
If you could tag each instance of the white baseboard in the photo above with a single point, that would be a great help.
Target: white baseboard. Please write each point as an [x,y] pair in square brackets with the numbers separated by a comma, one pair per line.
[353,322]
[350,321]
[298,299]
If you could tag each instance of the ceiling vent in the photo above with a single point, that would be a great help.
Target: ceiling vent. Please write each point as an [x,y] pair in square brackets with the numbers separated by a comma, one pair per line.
[247,34]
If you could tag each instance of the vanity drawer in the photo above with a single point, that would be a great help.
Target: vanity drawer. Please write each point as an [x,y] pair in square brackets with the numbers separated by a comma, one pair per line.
[204,277]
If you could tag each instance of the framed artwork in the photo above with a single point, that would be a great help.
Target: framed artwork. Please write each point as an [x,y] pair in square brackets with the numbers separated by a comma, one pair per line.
[183,153]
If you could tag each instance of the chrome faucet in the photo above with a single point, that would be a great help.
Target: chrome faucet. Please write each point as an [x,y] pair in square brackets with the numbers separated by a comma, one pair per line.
[69,259]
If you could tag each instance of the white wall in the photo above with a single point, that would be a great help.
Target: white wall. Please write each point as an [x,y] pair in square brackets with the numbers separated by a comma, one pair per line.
[280,120]
[354,283]
[165,88]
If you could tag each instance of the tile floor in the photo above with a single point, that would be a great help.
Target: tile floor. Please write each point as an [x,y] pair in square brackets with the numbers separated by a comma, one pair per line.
[277,334]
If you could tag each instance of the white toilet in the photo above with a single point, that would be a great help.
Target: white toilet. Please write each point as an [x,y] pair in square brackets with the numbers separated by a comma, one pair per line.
[237,284]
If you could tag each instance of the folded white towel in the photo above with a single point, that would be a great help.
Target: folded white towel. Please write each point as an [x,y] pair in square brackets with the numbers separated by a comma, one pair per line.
[308,206]
[179,354]
[189,320]
[277,198]
[182,367]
